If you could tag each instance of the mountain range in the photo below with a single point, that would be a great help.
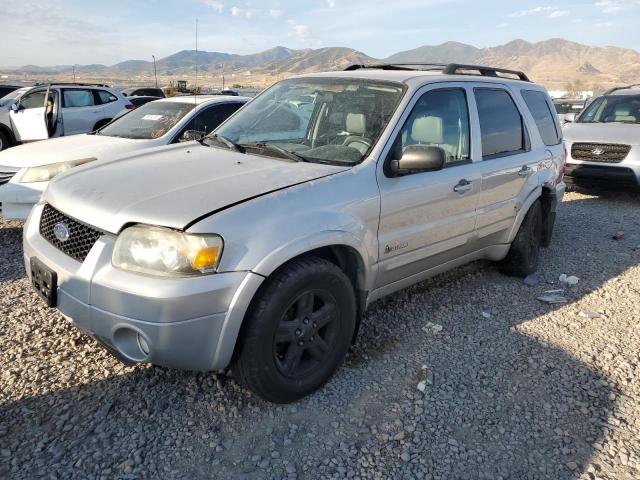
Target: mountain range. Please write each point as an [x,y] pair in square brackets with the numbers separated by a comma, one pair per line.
[554,62]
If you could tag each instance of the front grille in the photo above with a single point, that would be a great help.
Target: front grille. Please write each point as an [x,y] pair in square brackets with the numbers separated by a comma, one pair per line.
[81,239]
[6,176]
[604,152]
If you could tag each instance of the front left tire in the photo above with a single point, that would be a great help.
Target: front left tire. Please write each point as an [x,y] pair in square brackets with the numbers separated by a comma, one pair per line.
[4,141]
[297,331]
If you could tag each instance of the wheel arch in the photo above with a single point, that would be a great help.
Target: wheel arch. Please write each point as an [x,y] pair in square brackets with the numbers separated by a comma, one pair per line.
[347,257]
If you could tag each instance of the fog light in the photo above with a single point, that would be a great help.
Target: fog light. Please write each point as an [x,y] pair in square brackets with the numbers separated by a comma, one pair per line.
[142,343]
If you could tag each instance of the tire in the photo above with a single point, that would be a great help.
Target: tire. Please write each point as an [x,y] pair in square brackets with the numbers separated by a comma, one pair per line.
[522,259]
[297,331]
[4,141]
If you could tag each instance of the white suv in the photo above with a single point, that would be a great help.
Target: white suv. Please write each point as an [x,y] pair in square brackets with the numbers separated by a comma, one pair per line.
[56,110]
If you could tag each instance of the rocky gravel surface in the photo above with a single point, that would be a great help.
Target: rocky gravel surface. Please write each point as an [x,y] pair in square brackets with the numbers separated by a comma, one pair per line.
[510,387]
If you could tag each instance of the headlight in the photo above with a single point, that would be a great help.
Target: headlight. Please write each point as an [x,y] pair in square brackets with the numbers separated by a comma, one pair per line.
[164,252]
[45,173]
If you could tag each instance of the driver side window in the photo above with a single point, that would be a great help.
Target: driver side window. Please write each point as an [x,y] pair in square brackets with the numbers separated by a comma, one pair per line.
[440,118]
[33,100]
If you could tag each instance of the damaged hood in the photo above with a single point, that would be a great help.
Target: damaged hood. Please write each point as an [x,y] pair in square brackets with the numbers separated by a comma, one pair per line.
[172,186]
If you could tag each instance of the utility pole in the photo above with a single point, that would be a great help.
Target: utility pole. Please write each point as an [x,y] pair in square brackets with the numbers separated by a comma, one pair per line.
[155,72]
[74,74]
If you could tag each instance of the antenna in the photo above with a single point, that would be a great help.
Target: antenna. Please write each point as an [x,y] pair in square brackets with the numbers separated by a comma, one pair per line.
[195,85]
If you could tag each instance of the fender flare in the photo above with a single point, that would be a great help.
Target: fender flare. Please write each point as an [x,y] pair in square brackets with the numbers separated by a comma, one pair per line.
[522,212]
[241,302]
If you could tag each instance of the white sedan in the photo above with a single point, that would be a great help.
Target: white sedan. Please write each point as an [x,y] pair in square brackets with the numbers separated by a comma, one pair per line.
[25,170]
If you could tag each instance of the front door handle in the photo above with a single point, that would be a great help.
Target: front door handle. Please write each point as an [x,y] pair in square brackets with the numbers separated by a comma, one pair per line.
[463,186]
[525,171]
[95,111]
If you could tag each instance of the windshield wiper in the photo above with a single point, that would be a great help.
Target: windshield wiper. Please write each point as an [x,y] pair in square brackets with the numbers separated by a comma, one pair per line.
[216,137]
[270,146]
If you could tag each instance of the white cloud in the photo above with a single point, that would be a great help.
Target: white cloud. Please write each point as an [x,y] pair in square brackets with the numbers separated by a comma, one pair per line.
[250,13]
[604,24]
[275,13]
[217,5]
[531,11]
[559,14]
[616,6]
[503,24]
[298,29]
[236,12]
[331,3]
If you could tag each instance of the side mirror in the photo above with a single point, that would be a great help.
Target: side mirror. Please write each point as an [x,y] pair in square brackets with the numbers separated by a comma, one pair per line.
[14,107]
[419,158]
[190,135]
[570,118]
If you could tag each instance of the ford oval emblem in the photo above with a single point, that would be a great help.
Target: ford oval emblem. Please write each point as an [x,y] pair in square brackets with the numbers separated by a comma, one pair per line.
[597,151]
[61,232]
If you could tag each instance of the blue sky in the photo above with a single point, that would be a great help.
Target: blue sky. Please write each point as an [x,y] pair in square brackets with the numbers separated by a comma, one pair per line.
[48,32]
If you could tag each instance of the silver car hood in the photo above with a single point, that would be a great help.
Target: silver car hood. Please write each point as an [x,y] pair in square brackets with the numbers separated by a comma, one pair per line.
[624,133]
[172,186]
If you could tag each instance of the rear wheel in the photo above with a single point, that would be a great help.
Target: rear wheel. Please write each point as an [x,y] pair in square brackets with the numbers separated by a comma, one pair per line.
[297,332]
[522,259]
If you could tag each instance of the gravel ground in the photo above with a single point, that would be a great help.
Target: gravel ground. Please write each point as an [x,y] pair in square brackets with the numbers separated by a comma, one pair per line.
[515,388]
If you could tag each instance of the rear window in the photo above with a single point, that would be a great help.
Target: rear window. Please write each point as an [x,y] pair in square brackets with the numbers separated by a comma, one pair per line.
[501,125]
[102,97]
[541,112]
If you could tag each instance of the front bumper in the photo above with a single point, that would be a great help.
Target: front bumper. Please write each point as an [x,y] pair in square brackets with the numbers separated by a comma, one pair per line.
[18,199]
[610,174]
[187,323]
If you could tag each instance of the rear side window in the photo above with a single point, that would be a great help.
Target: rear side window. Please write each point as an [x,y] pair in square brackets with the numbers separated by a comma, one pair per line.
[541,112]
[501,124]
[102,97]
[78,98]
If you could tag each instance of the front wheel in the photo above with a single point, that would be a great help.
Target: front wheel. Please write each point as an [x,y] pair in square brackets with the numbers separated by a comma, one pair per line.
[297,331]
[522,259]
[4,141]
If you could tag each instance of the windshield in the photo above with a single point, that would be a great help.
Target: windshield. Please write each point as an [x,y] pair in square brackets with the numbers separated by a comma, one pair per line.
[325,120]
[614,108]
[149,121]
[12,97]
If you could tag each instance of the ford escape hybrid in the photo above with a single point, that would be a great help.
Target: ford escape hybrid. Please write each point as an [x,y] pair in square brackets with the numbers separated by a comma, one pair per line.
[261,246]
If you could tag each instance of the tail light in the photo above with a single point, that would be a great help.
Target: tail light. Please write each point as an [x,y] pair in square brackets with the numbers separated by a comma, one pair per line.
[130,106]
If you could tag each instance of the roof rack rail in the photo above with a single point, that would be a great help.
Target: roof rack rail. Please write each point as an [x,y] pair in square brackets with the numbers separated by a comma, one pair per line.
[78,84]
[455,68]
[397,66]
[615,89]
[447,69]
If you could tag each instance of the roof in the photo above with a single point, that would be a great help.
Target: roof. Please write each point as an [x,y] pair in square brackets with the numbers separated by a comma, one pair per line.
[200,99]
[626,91]
[415,77]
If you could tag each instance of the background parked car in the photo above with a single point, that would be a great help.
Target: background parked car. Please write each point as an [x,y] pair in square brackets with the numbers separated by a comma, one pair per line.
[566,106]
[27,169]
[143,92]
[57,110]
[7,88]
[136,102]
[603,144]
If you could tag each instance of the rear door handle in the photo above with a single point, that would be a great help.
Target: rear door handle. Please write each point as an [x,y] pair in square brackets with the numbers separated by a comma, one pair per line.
[525,171]
[463,186]
[95,111]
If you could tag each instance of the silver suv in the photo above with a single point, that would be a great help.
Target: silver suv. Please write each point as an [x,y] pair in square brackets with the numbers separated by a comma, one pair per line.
[261,246]
[604,142]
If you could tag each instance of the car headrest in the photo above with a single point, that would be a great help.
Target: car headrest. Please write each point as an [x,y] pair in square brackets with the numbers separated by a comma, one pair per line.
[622,109]
[356,123]
[427,130]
